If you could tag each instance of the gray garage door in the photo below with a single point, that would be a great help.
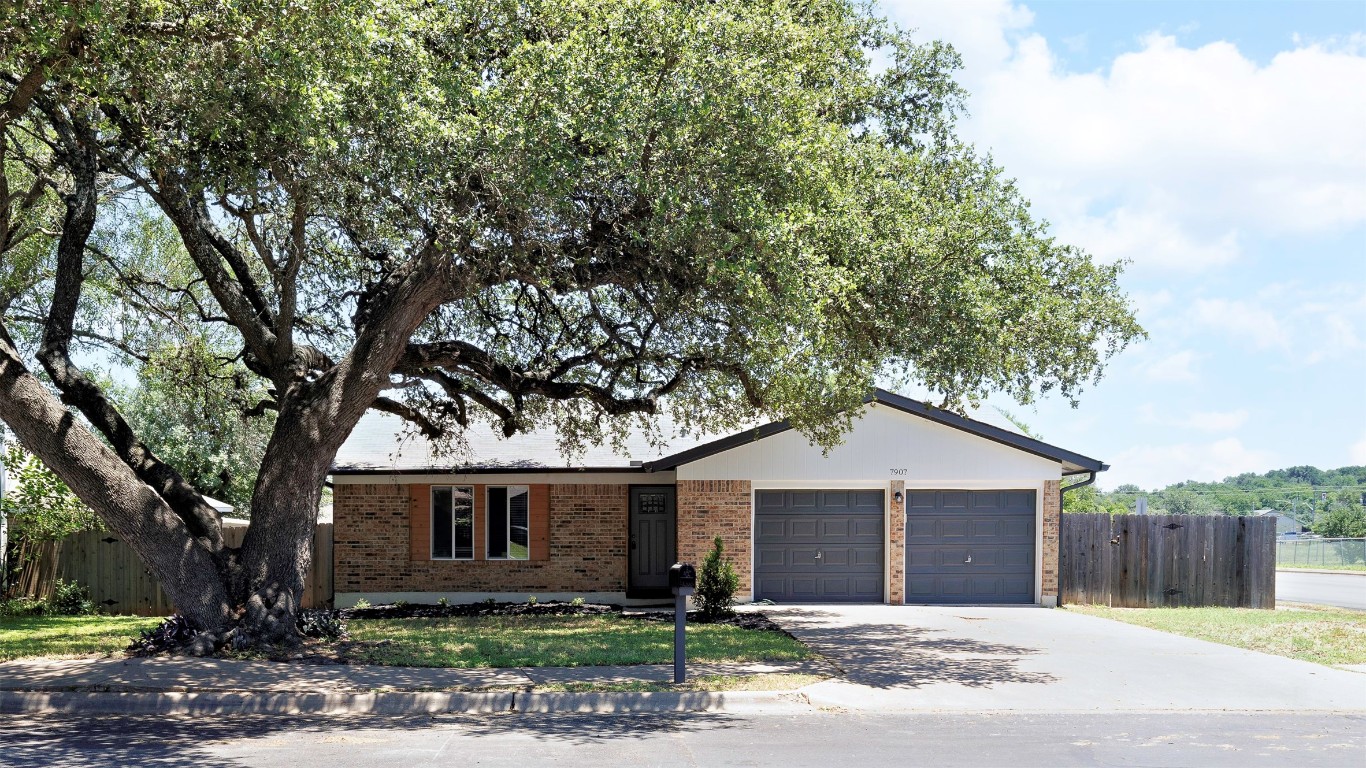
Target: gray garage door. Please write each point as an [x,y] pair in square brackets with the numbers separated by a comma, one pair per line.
[970,547]
[818,546]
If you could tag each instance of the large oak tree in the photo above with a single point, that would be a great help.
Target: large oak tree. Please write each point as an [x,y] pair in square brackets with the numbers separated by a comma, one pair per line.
[492,214]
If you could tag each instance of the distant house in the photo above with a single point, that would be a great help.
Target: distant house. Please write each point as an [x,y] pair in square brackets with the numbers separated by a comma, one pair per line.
[918,505]
[1286,524]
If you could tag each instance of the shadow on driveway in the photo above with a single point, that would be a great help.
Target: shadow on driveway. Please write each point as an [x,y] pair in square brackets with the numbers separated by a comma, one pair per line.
[890,655]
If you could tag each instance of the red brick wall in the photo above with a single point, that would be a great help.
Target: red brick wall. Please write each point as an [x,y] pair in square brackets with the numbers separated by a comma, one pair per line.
[707,508]
[1048,556]
[375,551]
[370,538]
[896,543]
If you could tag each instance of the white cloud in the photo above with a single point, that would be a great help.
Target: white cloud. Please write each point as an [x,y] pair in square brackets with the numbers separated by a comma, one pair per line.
[1217,421]
[1149,238]
[1171,154]
[1174,367]
[1155,466]
[1252,323]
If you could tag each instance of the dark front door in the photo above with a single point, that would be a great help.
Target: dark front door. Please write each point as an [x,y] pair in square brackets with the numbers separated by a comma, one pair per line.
[818,546]
[652,545]
[970,546]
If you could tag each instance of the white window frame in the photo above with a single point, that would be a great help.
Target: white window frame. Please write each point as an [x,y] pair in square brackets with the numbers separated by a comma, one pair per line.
[431,522]
[510,490]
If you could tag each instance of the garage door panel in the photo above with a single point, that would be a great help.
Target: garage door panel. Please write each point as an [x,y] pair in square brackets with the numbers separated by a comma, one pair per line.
[844,527]
[868,557]
[867,529]
[768,556]
[832,500]
[970,547]
[984,501]
[768,528]
[833,528]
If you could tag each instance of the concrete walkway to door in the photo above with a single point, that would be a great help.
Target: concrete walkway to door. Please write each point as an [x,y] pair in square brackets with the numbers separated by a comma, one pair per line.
[918,658]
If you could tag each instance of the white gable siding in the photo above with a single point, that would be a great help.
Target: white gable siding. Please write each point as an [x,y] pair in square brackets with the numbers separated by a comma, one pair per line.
[884,441]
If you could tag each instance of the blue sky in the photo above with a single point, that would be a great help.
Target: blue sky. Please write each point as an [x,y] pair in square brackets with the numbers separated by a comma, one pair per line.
[1221,148]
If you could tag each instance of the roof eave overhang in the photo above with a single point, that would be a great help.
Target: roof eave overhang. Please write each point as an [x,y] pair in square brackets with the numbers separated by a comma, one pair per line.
[480,470]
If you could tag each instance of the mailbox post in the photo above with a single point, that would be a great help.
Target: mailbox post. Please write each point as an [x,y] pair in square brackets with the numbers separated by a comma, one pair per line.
[683,581]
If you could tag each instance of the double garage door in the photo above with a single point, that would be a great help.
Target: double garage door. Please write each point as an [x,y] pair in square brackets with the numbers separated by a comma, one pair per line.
[828,546]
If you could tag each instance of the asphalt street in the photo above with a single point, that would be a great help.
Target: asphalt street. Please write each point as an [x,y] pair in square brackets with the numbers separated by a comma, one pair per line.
[596,741]
[1340,589]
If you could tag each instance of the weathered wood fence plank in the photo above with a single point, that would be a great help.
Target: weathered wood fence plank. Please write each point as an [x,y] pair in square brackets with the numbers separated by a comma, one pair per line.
[1145,561]
[120,583]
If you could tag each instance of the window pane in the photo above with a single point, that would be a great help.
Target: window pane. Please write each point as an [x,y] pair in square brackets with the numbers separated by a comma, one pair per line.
[519,522]
[441,523]
[462,517]
[497,523]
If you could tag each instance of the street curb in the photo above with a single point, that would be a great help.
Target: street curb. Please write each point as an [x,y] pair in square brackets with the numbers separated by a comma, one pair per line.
[418,703]
[32,702]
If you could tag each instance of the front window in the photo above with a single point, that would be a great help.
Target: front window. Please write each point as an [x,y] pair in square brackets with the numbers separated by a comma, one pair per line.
[509,523]
[452,523]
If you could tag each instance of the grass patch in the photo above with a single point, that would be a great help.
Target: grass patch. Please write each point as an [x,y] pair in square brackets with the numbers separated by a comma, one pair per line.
[25,637]
[1318,634]
[553,641]
[1322,567]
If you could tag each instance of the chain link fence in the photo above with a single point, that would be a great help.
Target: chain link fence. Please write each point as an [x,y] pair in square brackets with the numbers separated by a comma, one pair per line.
[1320,553]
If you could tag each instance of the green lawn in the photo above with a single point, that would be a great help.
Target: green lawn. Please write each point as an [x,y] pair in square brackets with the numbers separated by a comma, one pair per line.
[1322,567]
[67,636]
[1317,634]
[553,641]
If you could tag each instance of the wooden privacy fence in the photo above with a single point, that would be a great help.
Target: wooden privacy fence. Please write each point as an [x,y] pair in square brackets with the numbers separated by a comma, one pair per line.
[120,583]
[1146,561]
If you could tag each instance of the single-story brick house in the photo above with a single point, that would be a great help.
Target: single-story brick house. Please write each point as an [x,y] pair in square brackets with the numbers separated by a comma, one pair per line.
[918,505]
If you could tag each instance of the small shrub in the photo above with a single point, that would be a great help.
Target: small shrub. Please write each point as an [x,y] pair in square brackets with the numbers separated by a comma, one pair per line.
[170,635]
[716,584]
[322,623]
[71,599]
[400,604]
[23,606]
[361,604]
[576,602]
[443,602]
[531,600]
[490,602]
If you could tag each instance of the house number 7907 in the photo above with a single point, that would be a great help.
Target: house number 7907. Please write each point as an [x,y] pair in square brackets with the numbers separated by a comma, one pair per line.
[898,472]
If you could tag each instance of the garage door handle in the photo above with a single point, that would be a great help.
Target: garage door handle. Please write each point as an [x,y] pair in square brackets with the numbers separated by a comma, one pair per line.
[969,559]
[818,554]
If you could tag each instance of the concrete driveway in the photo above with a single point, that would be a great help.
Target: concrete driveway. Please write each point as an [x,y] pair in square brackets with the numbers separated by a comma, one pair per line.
[915,658]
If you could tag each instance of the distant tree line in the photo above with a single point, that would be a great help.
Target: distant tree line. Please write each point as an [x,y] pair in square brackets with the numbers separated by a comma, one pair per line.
[1329,502]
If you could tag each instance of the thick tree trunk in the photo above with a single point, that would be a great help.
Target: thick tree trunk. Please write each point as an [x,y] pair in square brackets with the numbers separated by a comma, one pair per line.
[277,551]
[193,578]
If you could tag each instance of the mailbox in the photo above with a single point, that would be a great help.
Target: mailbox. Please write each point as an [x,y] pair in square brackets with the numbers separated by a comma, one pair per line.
[682,576]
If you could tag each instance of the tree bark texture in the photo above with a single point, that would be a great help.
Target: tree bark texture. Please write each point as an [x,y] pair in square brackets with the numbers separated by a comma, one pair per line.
[189,572]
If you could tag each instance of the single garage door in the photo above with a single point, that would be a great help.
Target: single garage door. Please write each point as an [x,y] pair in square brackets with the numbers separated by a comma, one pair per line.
[818,546]
[970,547]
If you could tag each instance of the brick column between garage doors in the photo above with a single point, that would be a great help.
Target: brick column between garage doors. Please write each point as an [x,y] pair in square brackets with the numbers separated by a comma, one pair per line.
[710,508]
[896,544]
[1048,556]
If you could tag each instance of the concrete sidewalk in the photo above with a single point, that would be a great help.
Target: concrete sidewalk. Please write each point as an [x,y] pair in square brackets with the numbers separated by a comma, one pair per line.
[182,685]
